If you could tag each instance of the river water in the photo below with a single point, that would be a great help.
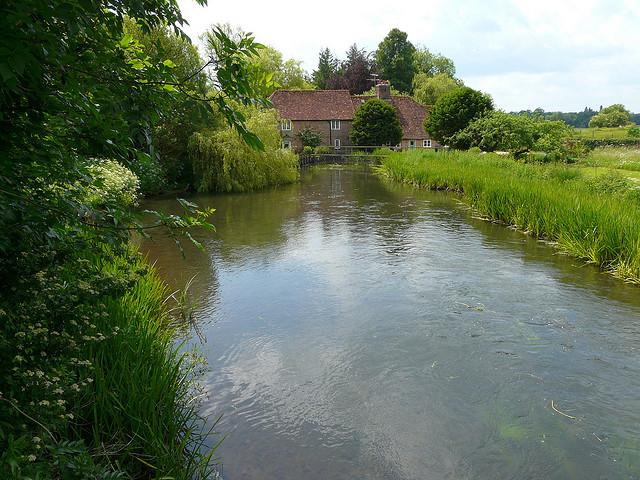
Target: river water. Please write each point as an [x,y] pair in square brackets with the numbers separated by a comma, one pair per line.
[359,329]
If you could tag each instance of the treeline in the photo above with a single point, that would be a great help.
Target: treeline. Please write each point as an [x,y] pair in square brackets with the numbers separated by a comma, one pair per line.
[574,119]
[411,70]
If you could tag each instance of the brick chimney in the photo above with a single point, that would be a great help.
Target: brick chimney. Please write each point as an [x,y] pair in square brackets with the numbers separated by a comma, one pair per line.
[383,90]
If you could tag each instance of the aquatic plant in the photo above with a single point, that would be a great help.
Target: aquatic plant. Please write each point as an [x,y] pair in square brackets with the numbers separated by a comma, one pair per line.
[592,224]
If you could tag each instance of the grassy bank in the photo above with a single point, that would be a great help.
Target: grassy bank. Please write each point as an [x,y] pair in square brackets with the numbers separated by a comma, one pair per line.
[597,221]
[94,385]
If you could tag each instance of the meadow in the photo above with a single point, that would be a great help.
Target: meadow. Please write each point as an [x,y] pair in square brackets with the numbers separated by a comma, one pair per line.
[603,133]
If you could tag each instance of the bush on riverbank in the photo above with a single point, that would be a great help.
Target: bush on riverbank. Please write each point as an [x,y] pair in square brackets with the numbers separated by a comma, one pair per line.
[223,162]
[93,385]
[546,201]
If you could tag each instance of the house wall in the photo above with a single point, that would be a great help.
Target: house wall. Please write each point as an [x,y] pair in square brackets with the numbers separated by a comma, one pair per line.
[405,143]
[327,135]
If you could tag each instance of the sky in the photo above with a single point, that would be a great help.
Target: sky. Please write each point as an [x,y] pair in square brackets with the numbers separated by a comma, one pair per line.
[554,54]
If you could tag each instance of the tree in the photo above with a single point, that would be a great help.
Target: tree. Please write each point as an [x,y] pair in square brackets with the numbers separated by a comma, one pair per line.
[357,70]
[394,59]
[309,137]
[327,66]
[612,116]
[454,111]
[376,123]
[427,89]
[432,64]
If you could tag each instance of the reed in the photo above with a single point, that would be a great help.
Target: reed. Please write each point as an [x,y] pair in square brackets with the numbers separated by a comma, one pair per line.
[143,403]
[553,202]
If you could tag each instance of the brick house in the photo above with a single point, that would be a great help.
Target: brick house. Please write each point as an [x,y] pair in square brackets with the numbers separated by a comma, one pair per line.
[330,112]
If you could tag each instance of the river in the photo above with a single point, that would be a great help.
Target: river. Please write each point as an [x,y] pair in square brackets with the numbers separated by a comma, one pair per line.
[359,329]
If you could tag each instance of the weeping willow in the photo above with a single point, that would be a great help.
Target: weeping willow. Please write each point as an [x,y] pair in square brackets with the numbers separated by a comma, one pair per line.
[222,162]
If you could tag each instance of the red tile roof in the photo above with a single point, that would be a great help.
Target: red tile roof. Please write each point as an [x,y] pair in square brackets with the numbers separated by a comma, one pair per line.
[313,104]
[341,105]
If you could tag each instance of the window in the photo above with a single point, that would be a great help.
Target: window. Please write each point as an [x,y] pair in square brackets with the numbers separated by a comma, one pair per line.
[336,144]
[286,144]
[426,143]
[412,144]
[285,124]
[335,124]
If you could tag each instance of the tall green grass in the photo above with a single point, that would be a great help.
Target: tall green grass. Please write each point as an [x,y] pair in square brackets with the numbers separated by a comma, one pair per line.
[622,158]
[551,202]
[142,406]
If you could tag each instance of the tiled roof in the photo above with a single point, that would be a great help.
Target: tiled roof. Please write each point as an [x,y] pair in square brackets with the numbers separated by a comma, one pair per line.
[340,105]
[313,104]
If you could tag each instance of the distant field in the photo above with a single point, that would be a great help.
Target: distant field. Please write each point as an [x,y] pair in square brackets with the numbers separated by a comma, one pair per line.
[602,133]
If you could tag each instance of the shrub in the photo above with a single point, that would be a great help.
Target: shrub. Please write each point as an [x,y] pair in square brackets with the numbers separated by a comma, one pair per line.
[323,150]
[633,132]
[113,184]
[376,122]
[223,162]
[307,150]
[151,174]
[309,137]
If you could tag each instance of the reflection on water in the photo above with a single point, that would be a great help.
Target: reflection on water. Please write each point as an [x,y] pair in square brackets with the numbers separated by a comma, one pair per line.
[358,329]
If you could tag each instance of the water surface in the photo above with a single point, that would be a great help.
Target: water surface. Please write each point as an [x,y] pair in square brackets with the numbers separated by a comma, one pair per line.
[361,329]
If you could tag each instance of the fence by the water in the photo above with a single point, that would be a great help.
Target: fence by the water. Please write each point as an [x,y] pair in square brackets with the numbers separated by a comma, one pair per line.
[345,154]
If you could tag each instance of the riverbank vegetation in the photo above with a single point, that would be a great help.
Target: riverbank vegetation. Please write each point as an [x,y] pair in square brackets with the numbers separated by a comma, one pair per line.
[595,218]
[93,102]
[223,162]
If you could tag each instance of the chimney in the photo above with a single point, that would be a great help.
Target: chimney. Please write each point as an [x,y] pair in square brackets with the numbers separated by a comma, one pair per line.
[383,90]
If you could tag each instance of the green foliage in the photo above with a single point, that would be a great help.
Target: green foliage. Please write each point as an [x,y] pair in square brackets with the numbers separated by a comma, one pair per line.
[497,131]
[327,67]
[453,111]
[517,134]
[376,123]
[633,132]
[597,227]
[613,116]
[222,162]
[309,137]
[432,64]
[394,59]
[308,150]
[80,82]
[322,150]
[427,89]
[112,184]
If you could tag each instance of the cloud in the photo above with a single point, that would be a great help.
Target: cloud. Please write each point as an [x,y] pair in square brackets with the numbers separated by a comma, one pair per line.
[557,54]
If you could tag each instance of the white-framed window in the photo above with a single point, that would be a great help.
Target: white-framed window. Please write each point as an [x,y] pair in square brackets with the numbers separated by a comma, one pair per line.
[412,144]
[336,144]
[426,143]
[286,144]
[285,124]
[335,124]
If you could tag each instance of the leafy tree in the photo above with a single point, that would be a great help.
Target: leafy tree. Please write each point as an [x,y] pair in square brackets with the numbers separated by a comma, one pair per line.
[376,123]
[223,162]
[453,111]
[180,116]
[613,116]
[309,137]
[394,59]
[327,66]
[432,64]
[427,89]
[355,71]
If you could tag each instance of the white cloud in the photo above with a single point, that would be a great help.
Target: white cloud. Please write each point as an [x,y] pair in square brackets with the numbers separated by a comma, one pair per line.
[555,54]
